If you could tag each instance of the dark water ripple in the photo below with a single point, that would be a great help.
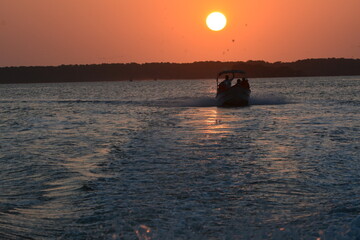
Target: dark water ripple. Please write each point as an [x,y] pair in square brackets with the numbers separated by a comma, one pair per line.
[141,160]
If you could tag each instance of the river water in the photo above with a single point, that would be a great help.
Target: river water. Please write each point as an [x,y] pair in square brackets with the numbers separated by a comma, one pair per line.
[158,160]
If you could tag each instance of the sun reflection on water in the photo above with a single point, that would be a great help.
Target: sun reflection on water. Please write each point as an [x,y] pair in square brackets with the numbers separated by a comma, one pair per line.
[143,232]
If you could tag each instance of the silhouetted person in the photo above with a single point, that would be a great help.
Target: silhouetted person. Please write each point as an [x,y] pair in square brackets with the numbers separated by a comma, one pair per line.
[245,83]
[226,84]
[227,81]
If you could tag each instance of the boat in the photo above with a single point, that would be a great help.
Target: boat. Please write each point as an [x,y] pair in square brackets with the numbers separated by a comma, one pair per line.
[232,95]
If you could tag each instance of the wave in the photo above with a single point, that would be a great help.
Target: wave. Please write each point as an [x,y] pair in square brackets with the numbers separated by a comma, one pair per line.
[205,101]
[211,102]
[186,102]
[268,99]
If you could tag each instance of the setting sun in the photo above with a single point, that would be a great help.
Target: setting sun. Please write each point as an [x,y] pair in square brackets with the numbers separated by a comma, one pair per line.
[216,21]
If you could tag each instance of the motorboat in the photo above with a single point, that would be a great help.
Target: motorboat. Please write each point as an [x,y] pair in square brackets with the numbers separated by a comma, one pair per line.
[229,94]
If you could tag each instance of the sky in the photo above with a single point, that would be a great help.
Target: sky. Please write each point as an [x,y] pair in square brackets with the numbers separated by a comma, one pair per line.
[55,32]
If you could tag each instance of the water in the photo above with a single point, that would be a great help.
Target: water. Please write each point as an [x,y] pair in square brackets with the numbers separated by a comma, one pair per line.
[158,160]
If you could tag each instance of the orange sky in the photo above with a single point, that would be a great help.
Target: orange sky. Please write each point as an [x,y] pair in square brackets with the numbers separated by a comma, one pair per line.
[54,32]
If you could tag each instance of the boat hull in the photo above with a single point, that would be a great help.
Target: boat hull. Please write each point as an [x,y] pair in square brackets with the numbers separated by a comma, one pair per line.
[235,96]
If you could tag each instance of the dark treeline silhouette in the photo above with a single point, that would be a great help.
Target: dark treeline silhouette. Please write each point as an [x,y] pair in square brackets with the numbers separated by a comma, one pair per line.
[196,70]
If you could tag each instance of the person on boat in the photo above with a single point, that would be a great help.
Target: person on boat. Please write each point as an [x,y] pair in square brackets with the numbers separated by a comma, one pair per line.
[226,84]
[227,81]
[244,83]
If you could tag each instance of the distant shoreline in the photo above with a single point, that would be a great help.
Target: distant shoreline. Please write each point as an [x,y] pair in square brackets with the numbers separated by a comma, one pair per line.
[162,71]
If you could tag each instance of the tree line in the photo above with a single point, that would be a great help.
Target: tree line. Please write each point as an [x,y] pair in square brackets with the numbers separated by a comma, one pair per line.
[165,70]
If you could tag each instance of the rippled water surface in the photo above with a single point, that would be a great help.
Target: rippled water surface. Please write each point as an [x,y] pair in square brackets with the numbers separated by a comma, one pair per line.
[158,160]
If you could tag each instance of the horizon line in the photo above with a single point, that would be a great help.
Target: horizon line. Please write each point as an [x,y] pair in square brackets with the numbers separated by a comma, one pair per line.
[203,61]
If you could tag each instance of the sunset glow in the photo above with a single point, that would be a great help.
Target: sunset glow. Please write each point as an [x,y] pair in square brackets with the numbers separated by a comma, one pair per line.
[44,32]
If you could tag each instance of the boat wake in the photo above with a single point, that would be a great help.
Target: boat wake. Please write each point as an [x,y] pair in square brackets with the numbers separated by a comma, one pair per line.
[211,101]
[187,102]
[205,101]
[268,99]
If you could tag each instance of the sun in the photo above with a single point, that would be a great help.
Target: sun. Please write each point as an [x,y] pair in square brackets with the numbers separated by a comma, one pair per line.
[216,21]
